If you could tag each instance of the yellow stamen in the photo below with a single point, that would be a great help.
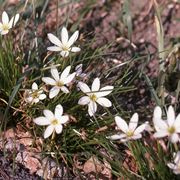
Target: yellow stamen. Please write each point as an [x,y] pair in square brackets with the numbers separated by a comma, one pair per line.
[130,133]
[5,27]
[65,48]
[93,97]
[54,122]
[171,130]
[35,94]
[59,83]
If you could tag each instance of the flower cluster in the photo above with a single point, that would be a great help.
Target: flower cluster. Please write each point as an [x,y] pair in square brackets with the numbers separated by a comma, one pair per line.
[94,96]
[163,128]
[60,82]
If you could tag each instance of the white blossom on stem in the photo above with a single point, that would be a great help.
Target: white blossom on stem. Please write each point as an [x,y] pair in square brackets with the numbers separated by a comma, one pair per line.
[64,45]
[129,132]
[176,165]
[169,127]
[54,121]
[7,24]
[59,82]
[94,95]
[34,95]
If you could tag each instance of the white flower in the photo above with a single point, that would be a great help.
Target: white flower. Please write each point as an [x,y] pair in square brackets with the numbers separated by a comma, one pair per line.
[79,73]
[64,46]
[34,95]
[59,82]
[54,121]
[176,165]
[169,127]
[131,132]
[6,25]
[94,95]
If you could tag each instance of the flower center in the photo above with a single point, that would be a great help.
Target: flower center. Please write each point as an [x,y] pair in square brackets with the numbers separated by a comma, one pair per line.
[35,95]
[129,133]
[54,122]
[171,130]
[65,48]
[93,97]
[59,83]
[5,27]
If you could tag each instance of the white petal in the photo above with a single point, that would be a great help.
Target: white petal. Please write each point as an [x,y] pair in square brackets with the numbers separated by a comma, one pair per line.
[133,122]
[54,40]
[174,138]
[84,87]
[117,136]
[64,119]
[5,18]
[58,128]
[48,114]
[104,91]
[64,36]
[29,99]
[54,92]
[170,116]
[54,48]
[160,124]
[49,130]
[69,78]
[157,115]
[49,81]
[34,86]
[92,108]
[42,121]
[58,111]
[64,53]
[64,89]
[78,69]
[84,100]
[42,96]
[35,100]
[160,134]
[65,73]
[73,38]
[138,136]
[171,165]
[4,32]
[140,129]
[177,123]
[104,102]
[177,157]
[95,85]
[121,123]
[14,20]
[54,73]
[75,49]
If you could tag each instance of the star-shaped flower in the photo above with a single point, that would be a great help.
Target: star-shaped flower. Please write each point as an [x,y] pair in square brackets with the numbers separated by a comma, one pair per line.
[6,25]
[59,81]
[64,45]
[129,132]
[176,165]
[54,121]
[169,127]
[34,95]
[94,95]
